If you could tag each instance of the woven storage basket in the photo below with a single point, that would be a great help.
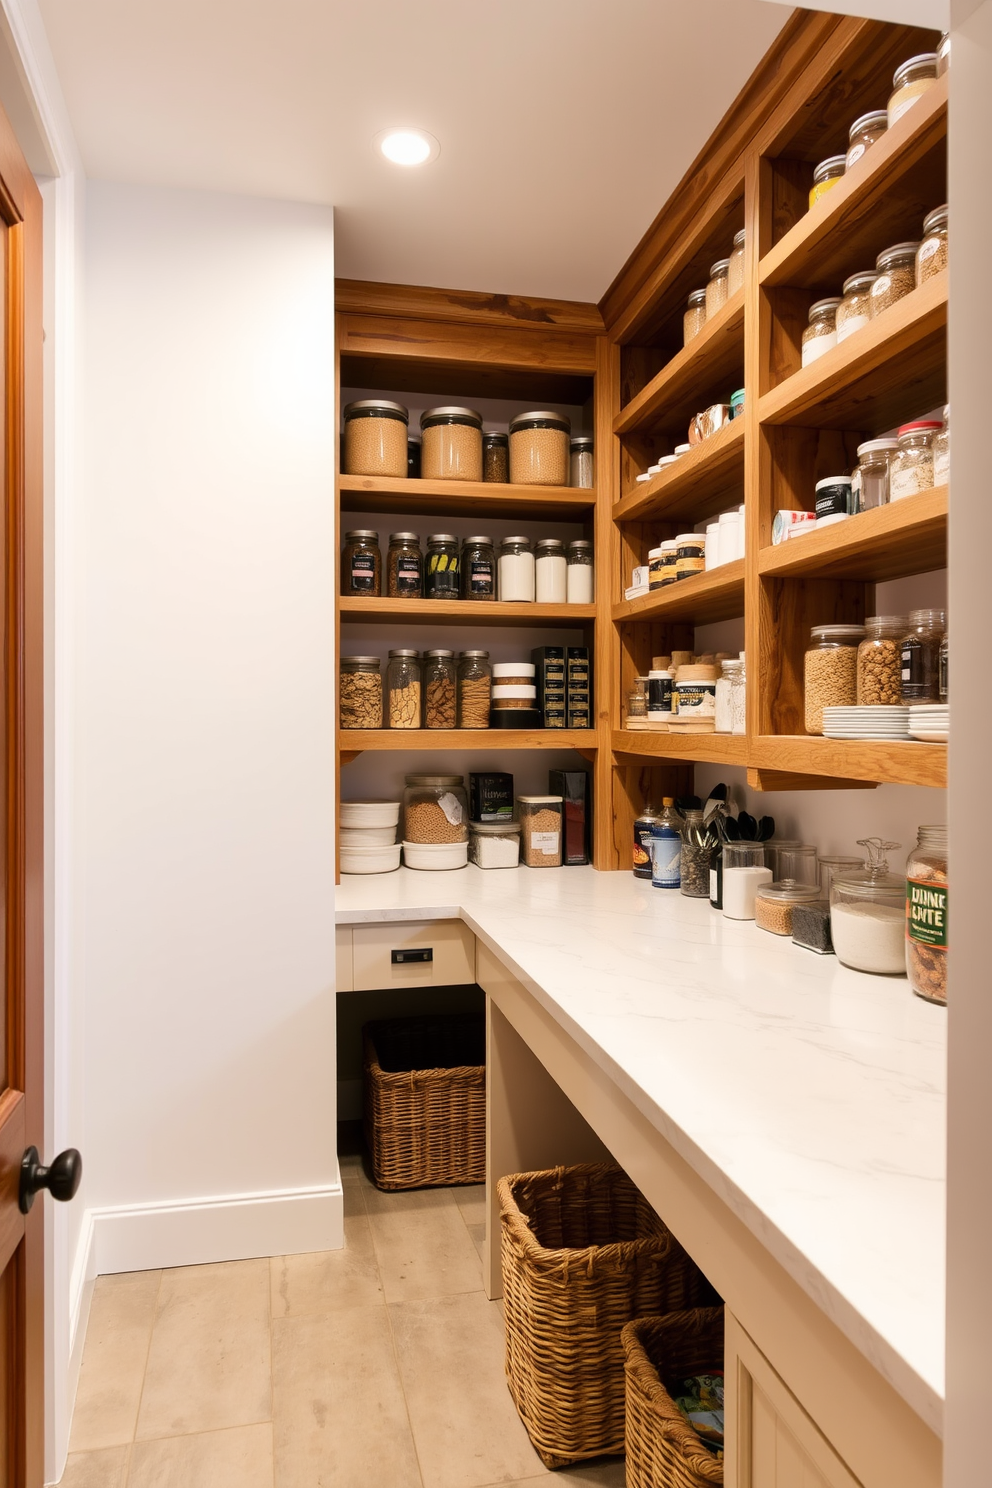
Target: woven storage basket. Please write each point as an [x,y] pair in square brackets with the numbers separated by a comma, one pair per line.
[583,1254]
[663,1451]
[425,1100]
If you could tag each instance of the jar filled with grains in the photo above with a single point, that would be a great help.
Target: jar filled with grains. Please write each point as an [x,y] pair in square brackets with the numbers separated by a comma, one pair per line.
[912,468]
[854,310]
[441,566]
[864,133]
[404,566]
[941,448]
[540,449]
[435,809]
[451,444]
[403,687]
[540,830]
[517,577]
[494,844]
[581,461]
[440,711]
[868,913]
[931,256]
[360,692]
[830,671]
[774,903]
[926,915]
[920,656]
[695,316]
[495,457]
[896,276]
[579,586]
[909,83]
[735,272]
[375,437]
[718,287]
[550,571]
[474,689]
[821,333]
[361,563]
[826,176]
[880,661]
[870,481]
[478,568]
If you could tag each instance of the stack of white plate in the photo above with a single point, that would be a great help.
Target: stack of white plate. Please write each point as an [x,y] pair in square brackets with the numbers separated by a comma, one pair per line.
[870,721]
[368,836]
[929,722]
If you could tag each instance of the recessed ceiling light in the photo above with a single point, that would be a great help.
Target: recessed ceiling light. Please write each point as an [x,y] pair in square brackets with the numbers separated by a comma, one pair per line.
[407,146]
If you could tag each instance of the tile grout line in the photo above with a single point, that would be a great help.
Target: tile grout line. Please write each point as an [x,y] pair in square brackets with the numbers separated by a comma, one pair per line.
[144,1376]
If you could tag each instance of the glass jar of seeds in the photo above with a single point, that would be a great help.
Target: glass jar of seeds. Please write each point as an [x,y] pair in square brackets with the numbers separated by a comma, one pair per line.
[774,903]
[581,461]
[440,709]
[435,809]
[695,316]
[478,568]
[920,656]
[912,468]
[403,689]
[931,256]
[735,272]
[909,83]
[361,563]
[360,693]
[864,133]
[540,449]
[375,438]
[821,333]
[826,176]
[404,566]
[540,830]
[474,689]
[895,277]
[880,661]
[854,310]
[830,671]
[441,567]
[870,481]
[718,287]
[495,457]
[694,856]
[451,447]
[941,448]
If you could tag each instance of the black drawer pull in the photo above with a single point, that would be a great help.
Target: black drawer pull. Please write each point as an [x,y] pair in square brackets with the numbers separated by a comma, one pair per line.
[404,958]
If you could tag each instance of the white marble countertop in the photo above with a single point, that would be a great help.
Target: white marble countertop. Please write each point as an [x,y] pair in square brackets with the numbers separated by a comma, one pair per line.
[810,1097]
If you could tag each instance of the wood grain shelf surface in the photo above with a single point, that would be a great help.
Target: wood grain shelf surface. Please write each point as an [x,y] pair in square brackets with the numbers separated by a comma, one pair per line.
[370,493]
[891,370]
[891,542]
[717,749]
[900,763]
[695,376]
[708,479]
[489,612]
[881,200]
[354,741]
[703,599]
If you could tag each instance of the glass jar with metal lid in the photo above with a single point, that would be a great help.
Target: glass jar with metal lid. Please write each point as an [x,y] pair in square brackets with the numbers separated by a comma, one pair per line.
[403,686]
[695,316]
[440,709]
[870,481]
[854,310]
[880,661]
[909,83]
[690,556]
[864,133]
[826,176]
[821,333]
[774,903]
[931,256]
[943,54]
[540,448]
[912,467]
[926,914]
[475,682]
[920,656]
[830,671]
[717,289]
[361,563]
[435,809]
[451,444]
[517,579]
[941,447]
[375,437]
[868,913]
[579,584]
[735,272]
[478,568]
[581,461]
[550,571]
[441,566]
[360,692]
[495,457]
[895,277]
[404,566]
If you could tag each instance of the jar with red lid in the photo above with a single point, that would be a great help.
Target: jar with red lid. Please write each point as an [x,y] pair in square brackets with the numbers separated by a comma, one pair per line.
[912,467]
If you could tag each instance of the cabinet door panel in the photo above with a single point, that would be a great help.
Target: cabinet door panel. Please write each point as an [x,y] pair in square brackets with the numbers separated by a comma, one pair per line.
[449,961]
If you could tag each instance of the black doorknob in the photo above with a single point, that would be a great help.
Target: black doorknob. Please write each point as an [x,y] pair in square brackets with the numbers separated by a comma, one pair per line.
[62,1179]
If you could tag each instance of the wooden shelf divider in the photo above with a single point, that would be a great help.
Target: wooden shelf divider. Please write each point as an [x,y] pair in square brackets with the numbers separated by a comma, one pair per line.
[716,595]
[717,749]
[355,741]
[688,381]
[890,542]
[491,612]
[903,762]
[703,481]
[464,498]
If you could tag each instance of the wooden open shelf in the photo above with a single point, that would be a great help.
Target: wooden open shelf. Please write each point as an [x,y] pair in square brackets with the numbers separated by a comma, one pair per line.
[881,762]
[695,377]
[367,493]
[716,749]
[710,478]
[707,597]
[355,741]
[462,612]
[890,542]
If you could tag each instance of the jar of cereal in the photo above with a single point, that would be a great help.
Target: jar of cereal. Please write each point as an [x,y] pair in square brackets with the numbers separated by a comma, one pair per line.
[830,671]
[880,661]
[540,830]
[435,809]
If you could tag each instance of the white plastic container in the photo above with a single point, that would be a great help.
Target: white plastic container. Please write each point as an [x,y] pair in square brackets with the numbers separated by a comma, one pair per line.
[371,859]
[369,814]
[740,885]
[352,837]
[712,545]
[727,545]
[436,856]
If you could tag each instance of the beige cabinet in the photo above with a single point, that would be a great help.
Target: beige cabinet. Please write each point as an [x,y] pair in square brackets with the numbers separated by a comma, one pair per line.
[408,953]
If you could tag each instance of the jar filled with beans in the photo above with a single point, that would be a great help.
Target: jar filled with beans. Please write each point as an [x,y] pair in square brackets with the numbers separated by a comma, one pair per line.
[540,449]
[474,689]
[880,661]
[441,567]
[854,310]
[735,273]
[375,437]
[495,457]
[895,276]
[435,809]
[404,566]
[478,568]
[864,133]
[403,689]
[440,710]
[909,83]
[821,333]
[830,671]
[361,563]
[695,316]
[774,903]
[912,468]
[920,656]
[451,444]
[717,288]
[360,692]
[931,256]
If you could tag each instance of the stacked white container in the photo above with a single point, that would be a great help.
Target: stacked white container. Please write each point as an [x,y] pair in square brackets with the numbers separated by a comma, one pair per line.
[368,836]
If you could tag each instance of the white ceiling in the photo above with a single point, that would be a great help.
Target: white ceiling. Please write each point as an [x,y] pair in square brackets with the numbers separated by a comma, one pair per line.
[564,124]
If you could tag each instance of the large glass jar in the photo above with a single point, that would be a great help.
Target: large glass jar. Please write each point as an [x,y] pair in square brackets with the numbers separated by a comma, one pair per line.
[864,133]
[451,444]
[517,578]
[718,287]
[909,83]
[926,915]
[441,566]
[920,656]
[360,693]
[478,568]
[495,457]
[870,481]
[440,705]
[540,448]
[774,903]
[403,678]
[941,447]
[435,809]
[580,587]
[826,176]
[912,468]
[854,310]
[744,873]
[931,256]
[880,661]
[550,571]
[375,434]
[943,54]
[830,671]
[821,333]
[404,566]
[475,685]
[540,830]
[695,316]
[895,277]
[361,563]
[795,862]
[735,271]
[581,462]
[694,856]
[868,913]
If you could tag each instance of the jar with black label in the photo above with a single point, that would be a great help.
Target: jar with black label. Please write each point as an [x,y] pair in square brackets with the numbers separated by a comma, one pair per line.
[478,568]
[404,566]
[495,457]
[361,563]
[660,685]
[833,499]
[921,656]
[441,567]
[695,694]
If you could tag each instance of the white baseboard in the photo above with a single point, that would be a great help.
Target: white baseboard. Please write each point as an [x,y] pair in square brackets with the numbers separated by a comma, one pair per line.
[350,1107]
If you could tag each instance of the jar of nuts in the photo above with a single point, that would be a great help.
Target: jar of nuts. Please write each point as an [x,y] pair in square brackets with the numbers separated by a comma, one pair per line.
[360,692]
[880,661]
[403,688]
[540,449]
[931,256]
[474,689]
[451,447]
[926,915]
[440,711]
[540,830]
[912,468]
[830,671]
[375,434]
[895,277]
[435,809]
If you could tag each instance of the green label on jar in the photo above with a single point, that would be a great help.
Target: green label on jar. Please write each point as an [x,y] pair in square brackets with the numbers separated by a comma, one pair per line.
[926,913]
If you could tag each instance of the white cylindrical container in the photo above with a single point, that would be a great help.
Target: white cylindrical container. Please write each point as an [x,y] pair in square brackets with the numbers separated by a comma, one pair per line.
[727,545]
[740,885]
[436,855]
[370,859]
[551,571]
[741,532]
[580,572]
[712,544]
[517,579]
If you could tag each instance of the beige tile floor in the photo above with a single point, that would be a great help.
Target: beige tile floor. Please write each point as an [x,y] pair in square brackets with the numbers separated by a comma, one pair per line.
[376,1366]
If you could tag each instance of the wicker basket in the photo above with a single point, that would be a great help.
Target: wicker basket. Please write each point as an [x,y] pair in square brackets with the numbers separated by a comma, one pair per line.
[663,1451]
[583,1254]
[425,1101]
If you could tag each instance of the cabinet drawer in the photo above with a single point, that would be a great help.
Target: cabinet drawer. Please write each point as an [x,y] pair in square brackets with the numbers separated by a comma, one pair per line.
[438,953]
[345,971]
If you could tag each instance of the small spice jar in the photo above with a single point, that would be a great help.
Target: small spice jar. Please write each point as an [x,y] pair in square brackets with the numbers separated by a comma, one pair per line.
[404,566]
[540,449]
[926,915]
[579,583]
[912,467]
[826,177]
[440,710]
[581,464]
[931,256]
[517,577]
[870,481]
[868,913]
[830,671]
[864,133]
[943,54]
[435,809]
[854,310]
[880,661]
[690,555]
[375,437]
[920,656]
[941,447]
[495,457]
[474,689]
[717,289]
[744,873]
[909,83]
[774,903]
[360,693]
[540,830]
[451,444]
[735,270]
[494,844]
[821,333]
[895,278]
[441,566]
[477,563]
[403,678]
[637,700]
[550,571]
[695,316]
[361,563]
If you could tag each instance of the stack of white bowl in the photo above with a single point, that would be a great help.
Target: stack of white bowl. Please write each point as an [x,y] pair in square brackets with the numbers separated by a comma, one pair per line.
[368,836]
